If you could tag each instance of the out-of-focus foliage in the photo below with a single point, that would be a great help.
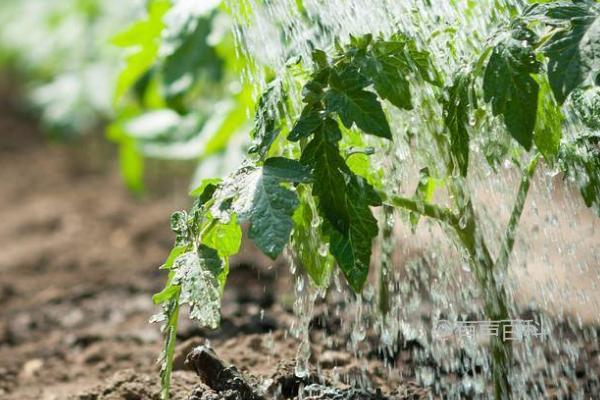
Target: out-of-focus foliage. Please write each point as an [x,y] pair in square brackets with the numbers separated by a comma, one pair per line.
[179,93]
[60,47]
[165,72]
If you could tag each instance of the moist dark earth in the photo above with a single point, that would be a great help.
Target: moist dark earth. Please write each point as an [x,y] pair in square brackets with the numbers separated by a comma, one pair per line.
[79,264]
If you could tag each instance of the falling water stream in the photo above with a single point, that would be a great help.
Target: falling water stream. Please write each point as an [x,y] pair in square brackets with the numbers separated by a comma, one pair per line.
[554,273]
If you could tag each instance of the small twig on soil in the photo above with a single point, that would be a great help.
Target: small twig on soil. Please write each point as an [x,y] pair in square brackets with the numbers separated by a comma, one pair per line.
[219,377]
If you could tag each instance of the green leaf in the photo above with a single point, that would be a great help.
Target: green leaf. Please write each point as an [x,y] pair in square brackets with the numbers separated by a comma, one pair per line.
[574,52]
[167,294]
[354,105]
[307,240]
[189,54]
[560,10]
[507,83]
[352,248]
[286,170]
[320,58]
[327,127]
[175,252]
[361,42]
[266,120]
[410,58]
[143,38]
[343,201]
[329,170]
[257,195]
[390,81]
[225,238]
[204,185]
[548,127]
[312,92]
[389,64]
[200,275]
[309,121]
[581,162]
[211,259]
[586,102]
[456,117]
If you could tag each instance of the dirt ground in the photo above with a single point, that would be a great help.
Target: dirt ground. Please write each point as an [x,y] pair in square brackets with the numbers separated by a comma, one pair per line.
[79,264]
[78,268]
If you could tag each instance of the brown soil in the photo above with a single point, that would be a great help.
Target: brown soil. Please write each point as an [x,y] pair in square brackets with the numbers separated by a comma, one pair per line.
[78,268]
[77,271]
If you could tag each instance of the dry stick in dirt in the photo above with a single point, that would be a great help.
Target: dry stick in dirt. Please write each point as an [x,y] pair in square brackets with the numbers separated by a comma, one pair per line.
[219,377]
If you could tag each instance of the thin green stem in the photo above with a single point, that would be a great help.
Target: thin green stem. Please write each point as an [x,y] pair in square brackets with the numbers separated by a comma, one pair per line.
[386,261]
[494,297]
[542,41]
[513,223]
[422,208]
[169,346]
[471,239]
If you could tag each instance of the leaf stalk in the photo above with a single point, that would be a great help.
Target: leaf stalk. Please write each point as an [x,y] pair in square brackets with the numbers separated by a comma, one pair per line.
[513,223]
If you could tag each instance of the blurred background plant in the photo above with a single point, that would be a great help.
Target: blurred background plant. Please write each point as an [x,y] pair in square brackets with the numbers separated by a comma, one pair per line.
[166,87]
[59,49]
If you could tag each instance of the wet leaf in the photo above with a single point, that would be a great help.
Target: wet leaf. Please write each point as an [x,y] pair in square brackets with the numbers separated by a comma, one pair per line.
[548,127]
[560,10]
[286,170]
[258,195]
[457,107]
[352,248]
[306,242]
[266,126]
[580,160]
[343,201]
[586,102]
[198,274]
[389,63]
[175,252]
[309,121]
[226,238]
[329,171]
[508,84]
[574,51]
[354,105]
[389,75]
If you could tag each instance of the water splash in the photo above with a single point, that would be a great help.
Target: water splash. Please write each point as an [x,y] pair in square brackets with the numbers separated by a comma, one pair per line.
[431,279]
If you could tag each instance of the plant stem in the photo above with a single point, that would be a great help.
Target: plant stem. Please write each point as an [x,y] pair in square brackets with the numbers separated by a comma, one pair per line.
[471,239]
[386,261]
[169,347]
[511,230]
[495,298]
[426,209]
